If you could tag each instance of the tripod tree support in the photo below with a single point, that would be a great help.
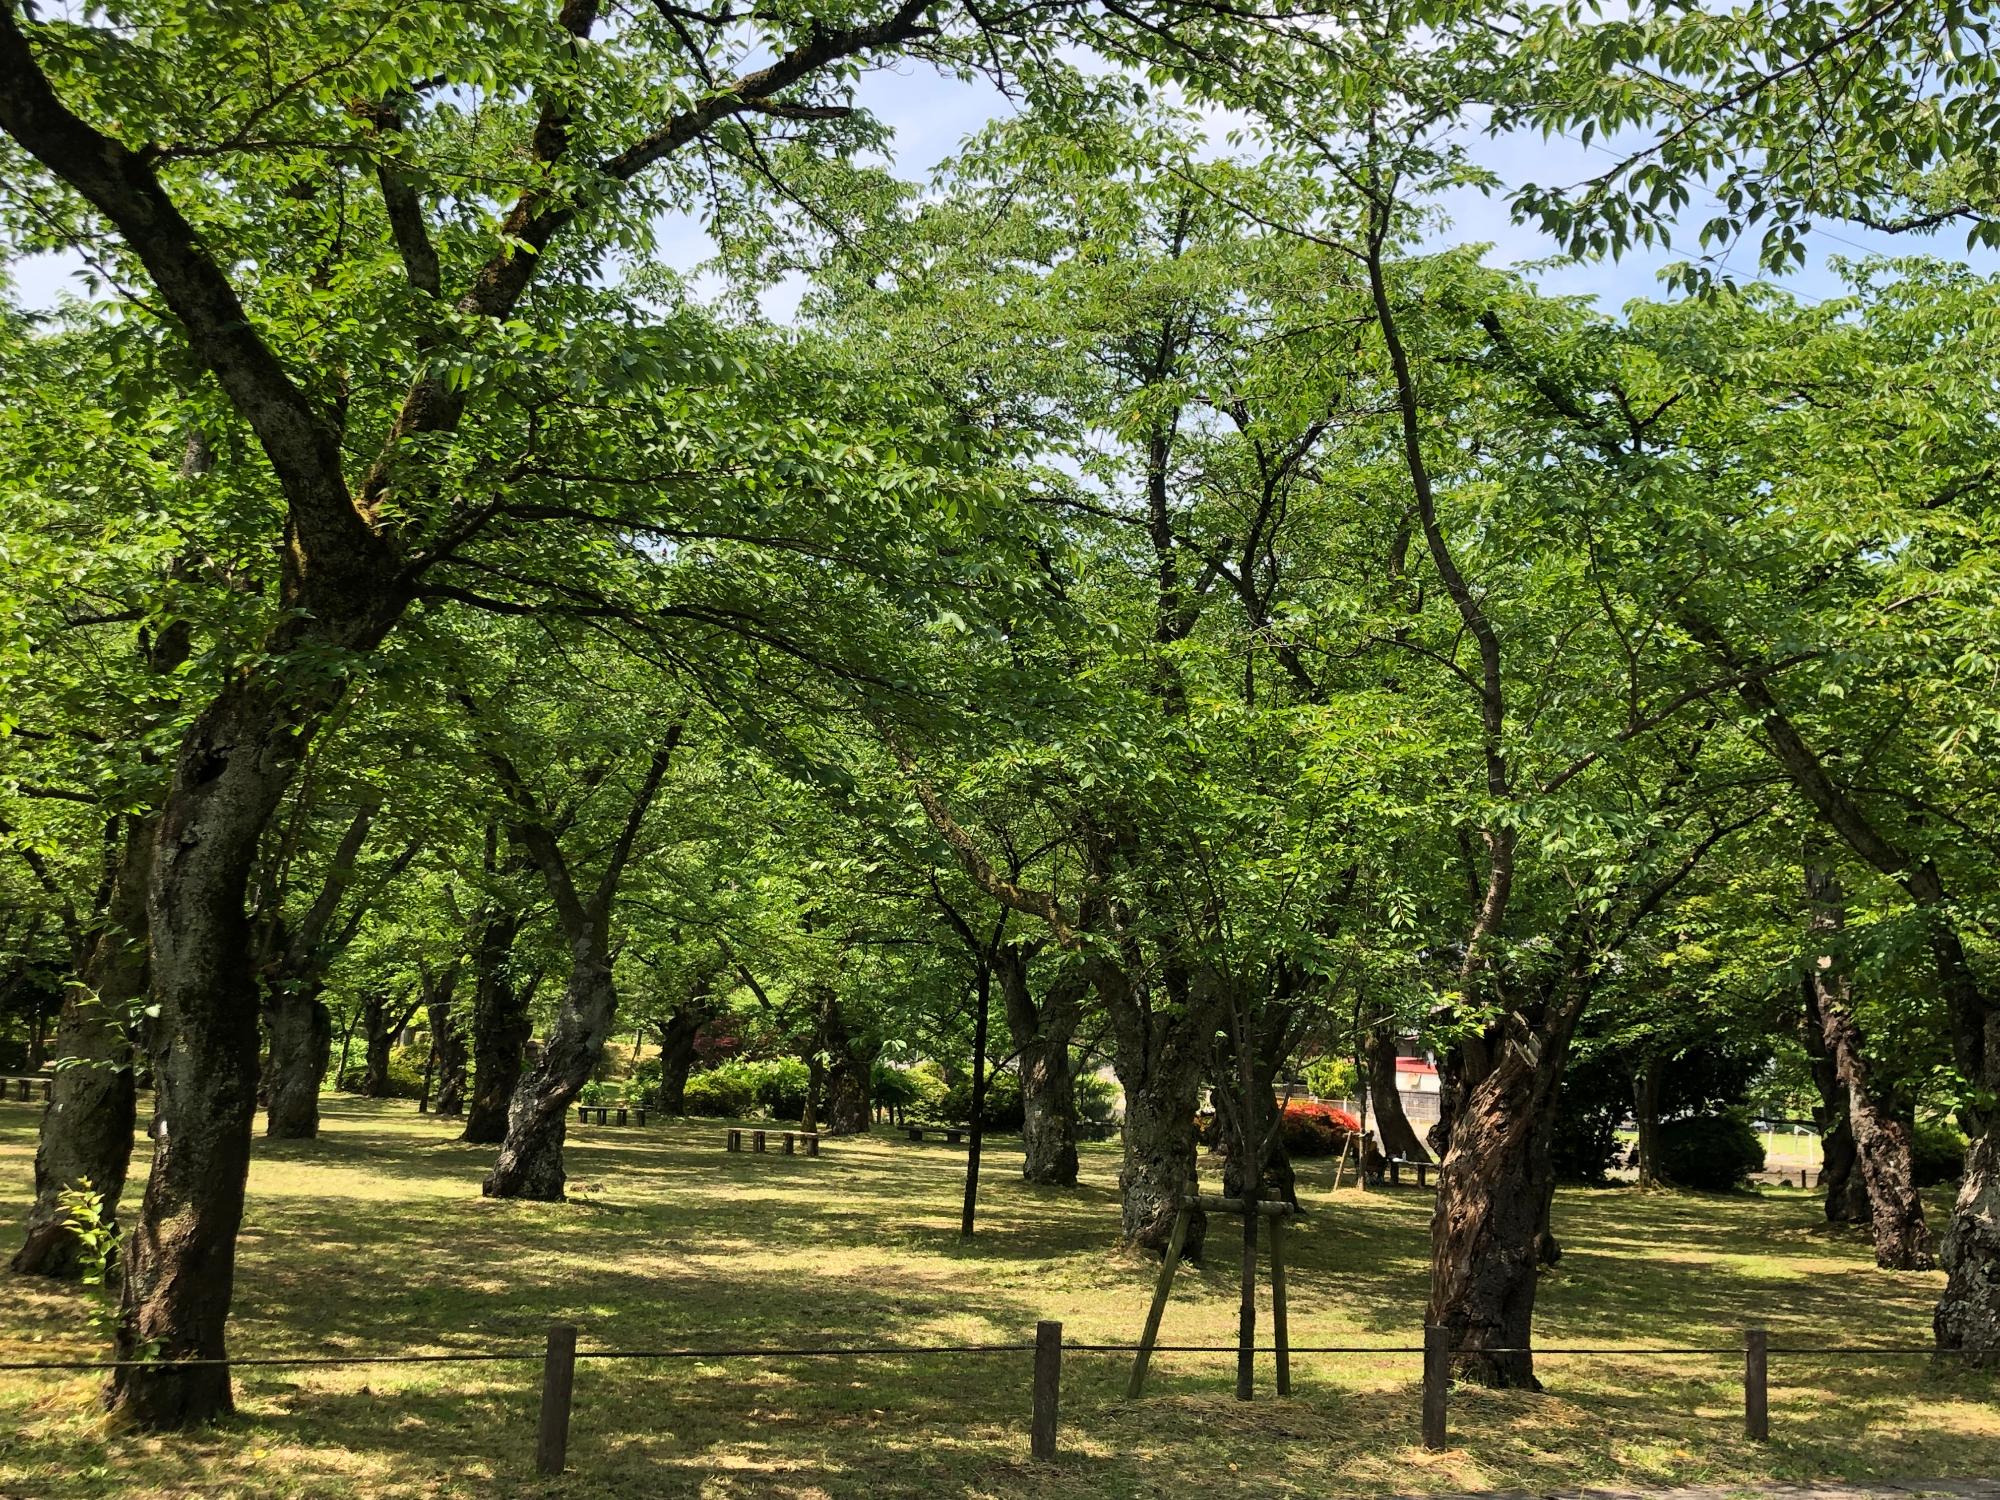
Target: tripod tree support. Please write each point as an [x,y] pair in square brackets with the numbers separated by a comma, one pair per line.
[1278,1213]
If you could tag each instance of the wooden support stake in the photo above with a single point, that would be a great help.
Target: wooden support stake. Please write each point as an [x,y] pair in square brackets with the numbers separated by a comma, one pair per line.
[558,1380]
[1048,1391]
[1153,1314]
[1756,1391]
[1437,1379]
[1280,1334]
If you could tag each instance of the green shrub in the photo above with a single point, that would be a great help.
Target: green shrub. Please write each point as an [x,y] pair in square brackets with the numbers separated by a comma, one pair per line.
[725,1092]
[779,1085]
[902,1087]
[1330,1077]
[1095,1098]
[1710,1152]
[1003,1111]
[406,1073]
[1940,1154]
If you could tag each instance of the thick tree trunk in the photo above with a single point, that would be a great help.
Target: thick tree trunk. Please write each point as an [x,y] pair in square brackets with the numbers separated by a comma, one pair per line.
[179,1262]
[301,1031]
[1646,1114]
[1968,1314]
[531,1157]
[379,1033]
[86,1132]
[677,1039]
[448,1056]
[1485,1236]
[849,1075]
[1392,1125]
[1158,1059]
[1490,1236]
[1041,1035]
[1882,1142]
[500,1029]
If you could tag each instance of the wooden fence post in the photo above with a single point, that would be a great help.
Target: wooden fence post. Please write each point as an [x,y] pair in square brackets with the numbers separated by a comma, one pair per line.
[558,1379]
[1437,1377]
[1048,1391]
[1756,1390]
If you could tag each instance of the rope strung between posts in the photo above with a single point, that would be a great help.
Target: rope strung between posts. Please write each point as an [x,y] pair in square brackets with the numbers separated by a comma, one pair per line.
[306,1361]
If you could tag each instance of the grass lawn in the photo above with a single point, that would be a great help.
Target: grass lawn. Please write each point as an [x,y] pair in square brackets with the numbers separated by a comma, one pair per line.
[375,1240]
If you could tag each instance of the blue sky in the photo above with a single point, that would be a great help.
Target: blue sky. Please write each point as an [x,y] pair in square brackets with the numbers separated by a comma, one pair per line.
[931,115]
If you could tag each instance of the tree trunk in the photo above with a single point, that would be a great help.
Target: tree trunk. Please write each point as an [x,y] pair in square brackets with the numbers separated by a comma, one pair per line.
[301,1031]
[849,1074]
[86,1132]
[448,1056]
[1158,1058]
[379,1034]
[677,1039]
[1968,1314]
[968,1209]
[1489,1234]
[1846,1191]
[1041,1036]
[1646,1112]
[531,1157]
[231,769]
[500,1029]
[1882,1142]
[1397,1135]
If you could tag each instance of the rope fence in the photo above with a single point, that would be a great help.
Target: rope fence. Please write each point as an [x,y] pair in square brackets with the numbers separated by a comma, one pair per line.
[560,1356]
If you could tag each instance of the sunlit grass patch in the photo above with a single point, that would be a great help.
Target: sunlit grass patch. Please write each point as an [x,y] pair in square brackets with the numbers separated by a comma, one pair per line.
[375,1239]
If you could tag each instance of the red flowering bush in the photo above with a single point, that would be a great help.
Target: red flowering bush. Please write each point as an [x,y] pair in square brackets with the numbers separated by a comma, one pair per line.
[1317,1129]
[1310,1129]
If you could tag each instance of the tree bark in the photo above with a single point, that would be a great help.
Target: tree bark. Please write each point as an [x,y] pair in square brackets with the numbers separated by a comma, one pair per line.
[677,1039]
[1159,1060]
[1397,1135]
[849,1073]
[531,1157]
[447,1050]
[1041,1035]
[1646,1113]
[500,1029]
[301,1032]
[1845,1189]
[530,1164]
[378,1035]
[1485,1250]
[1883,1143]
[86,1132]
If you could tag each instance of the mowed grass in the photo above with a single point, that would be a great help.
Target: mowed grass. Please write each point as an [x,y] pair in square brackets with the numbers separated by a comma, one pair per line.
[375,1240]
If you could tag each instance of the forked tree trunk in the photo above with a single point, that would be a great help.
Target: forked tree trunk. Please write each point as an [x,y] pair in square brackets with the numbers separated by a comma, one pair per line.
[500,1030]
[1646,1114]
[1392,1124]
[301,1031]
[531,1158]
[86,1132]
[1042,1035]
[1883,1144]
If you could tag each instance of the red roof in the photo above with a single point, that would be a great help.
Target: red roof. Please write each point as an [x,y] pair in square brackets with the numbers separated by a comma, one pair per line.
[1413,1065]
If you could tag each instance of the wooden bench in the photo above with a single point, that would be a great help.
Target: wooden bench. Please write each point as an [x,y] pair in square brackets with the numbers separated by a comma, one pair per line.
[611,1114]
[792,1139]
[952,1134]
[24,1088]
[1423,1168]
